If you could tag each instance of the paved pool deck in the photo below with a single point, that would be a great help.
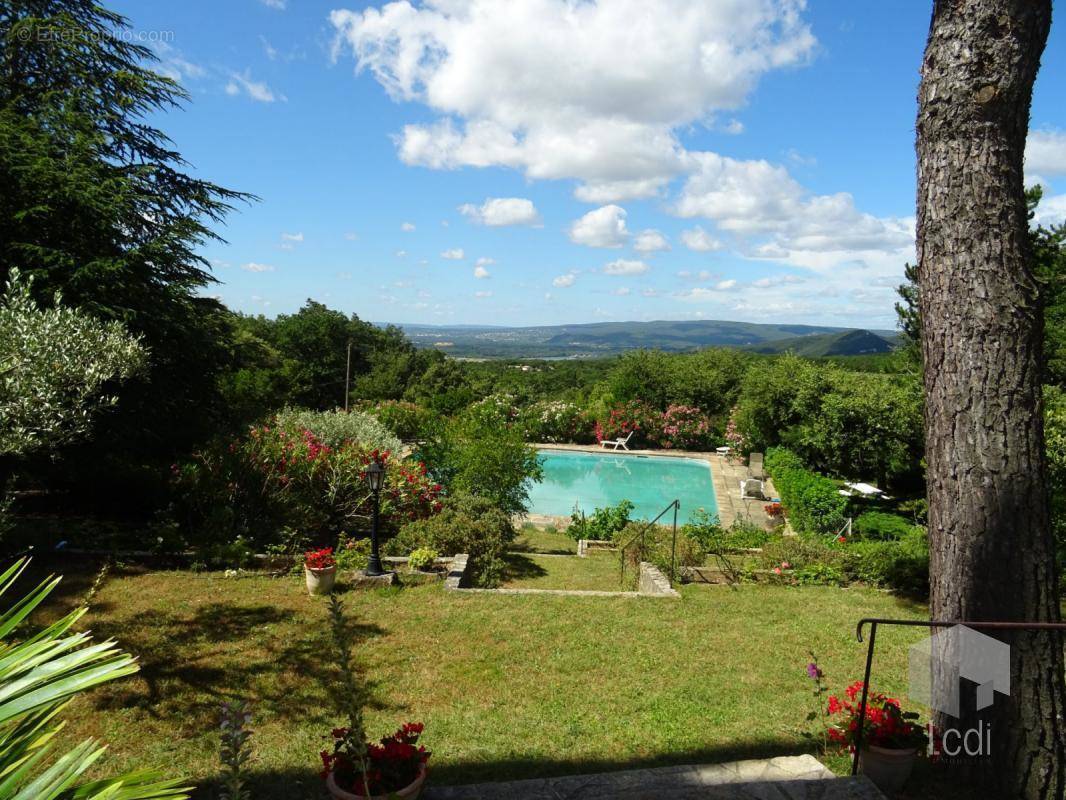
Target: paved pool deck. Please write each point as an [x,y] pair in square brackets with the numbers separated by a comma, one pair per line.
[782,778]
[726,474]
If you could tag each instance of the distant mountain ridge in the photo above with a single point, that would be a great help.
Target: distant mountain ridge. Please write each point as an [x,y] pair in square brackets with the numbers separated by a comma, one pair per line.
[610,338]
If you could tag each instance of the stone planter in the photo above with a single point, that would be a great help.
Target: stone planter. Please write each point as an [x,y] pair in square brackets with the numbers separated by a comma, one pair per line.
[409,792]
[887,768]
[320,581]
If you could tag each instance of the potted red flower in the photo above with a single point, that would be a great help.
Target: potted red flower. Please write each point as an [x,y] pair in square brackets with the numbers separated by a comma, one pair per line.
[393,768]
[891,737]
[320,570]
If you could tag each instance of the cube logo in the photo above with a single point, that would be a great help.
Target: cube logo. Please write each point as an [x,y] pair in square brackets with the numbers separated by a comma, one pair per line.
[939,663]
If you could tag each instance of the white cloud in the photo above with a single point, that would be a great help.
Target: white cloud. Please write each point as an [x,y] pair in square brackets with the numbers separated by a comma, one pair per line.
[699,240]
[733,127]
[624,266]
[292,237]
[268,49]
[257,90]
[455,254]
[252,266]
[401,254]
[543,86]
[480,272]
[649,293]
[499,211]
[485,262]
[351,236]
[407,227]
[1051,211]
[602,227]
[725,286]
[1045,153]
[622,291]
[277,5]
[564,280]
[173,64]
[482,294]
[650,241]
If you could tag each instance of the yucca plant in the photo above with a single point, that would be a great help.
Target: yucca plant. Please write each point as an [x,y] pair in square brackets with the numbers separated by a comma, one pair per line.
[38,676]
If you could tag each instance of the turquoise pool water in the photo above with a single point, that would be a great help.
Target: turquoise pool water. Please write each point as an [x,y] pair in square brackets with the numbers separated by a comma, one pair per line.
[597,480]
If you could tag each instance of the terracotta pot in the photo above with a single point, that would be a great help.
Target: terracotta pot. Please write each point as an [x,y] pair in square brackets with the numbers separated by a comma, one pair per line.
[320,581]
[409,792]
[888,768]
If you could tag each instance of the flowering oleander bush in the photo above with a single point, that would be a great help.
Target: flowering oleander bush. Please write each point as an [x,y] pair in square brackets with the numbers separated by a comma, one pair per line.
[496,409]
[320,559]
[733,435]
[281,476]
[335,428]
[885,724]
[685,428]
[636,417]
[555,422]
[392,763]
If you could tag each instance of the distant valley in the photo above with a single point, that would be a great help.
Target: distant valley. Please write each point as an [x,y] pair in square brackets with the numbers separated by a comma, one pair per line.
[610,338]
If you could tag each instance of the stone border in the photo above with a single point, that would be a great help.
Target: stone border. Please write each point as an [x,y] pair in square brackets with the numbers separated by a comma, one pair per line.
[584,545]
[653,583]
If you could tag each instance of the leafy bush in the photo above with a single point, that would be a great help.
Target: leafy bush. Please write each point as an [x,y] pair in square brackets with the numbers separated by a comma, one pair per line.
[352,554]
[812,502]
[741,535]
[685,428]
[900,565]
[278,478]
[555,422]
[878,525]
[658,546]
[466,524]
[337,428]
[422,558]
[409,421]
[472,455]
[604,524]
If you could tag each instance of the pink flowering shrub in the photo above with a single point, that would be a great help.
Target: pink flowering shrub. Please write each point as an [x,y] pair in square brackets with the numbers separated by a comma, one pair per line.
[733,435]
[685,428]
[277,477]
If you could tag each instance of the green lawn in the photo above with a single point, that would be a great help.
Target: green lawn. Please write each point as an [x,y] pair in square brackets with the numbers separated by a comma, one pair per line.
[537,540]
[508,686]
[597,571]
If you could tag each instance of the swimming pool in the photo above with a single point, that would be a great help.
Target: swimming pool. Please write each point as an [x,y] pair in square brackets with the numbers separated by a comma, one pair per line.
[597,480]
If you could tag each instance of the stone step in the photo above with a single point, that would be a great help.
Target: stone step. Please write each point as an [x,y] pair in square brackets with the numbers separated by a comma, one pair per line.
[782,778]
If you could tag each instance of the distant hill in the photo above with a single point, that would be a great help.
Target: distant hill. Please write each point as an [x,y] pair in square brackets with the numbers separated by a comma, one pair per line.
[821,345]
[610,338]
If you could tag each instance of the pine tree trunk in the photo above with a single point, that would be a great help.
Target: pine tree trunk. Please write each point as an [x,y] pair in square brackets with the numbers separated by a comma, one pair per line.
[992,556]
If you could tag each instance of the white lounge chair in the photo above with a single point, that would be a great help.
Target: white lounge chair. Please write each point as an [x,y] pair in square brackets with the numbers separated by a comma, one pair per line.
[616,443]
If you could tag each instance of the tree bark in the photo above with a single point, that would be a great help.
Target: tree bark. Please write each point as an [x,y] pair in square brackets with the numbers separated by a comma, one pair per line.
[992,556]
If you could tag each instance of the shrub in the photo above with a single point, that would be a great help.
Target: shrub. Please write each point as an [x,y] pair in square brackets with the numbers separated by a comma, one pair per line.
[466,524]
[878,525]
[472,455]
[635,416]
[352,554]
[685,428]
[812,502]
[658,546]
[409,421]
[275,478]
[337,428]
[422,558]
[900,565]
[555,422]
[603,524]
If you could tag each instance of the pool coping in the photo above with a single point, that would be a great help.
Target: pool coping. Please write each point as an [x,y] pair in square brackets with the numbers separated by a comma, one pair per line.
[725,477]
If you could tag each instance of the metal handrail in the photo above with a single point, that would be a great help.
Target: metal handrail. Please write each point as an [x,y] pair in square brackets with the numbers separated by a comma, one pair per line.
[873,622]
[676,506]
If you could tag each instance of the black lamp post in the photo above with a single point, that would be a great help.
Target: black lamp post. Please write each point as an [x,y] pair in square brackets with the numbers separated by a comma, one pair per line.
[375,475]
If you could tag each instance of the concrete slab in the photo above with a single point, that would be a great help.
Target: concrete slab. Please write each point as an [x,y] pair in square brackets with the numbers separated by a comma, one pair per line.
[782,778]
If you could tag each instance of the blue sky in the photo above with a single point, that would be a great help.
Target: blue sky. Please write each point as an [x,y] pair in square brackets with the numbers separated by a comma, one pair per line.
[538,161]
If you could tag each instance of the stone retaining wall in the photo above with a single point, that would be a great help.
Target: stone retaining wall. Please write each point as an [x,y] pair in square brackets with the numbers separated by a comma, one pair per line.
[653,582]
[584,545]
[456,572]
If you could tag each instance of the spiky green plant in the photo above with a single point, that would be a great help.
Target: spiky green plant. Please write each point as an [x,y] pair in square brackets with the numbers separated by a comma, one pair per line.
[38,676]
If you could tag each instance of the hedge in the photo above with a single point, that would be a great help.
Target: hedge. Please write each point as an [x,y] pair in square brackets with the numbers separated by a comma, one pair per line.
[812,502]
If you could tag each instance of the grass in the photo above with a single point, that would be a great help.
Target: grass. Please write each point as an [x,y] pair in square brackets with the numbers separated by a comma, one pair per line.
[598,571]
[508,686]
[538,540]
